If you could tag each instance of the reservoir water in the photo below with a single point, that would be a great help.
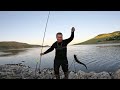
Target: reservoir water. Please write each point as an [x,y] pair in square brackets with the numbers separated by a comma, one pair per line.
[100,57]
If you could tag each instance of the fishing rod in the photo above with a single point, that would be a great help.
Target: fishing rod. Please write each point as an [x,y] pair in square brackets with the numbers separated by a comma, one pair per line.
[42,46]
[43,41]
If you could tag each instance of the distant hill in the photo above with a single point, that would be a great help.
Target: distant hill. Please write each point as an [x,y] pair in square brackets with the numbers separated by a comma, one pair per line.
[113,37]
[16,45]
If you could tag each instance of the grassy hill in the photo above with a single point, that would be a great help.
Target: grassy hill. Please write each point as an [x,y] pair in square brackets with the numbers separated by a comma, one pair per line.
[15,45]
[113,37]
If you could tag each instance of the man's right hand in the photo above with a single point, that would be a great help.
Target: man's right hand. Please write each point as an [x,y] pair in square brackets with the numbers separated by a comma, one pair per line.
[41,54]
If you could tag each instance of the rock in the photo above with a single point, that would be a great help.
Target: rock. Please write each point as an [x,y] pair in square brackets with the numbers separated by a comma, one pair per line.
[62,76]
[48,76]
[23,72]
[75,76]
[117,74]
[71,75]
[91,75]
[103,75]
[81,75]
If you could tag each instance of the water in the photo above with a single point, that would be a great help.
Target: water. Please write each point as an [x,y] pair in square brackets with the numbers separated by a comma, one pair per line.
[101,57]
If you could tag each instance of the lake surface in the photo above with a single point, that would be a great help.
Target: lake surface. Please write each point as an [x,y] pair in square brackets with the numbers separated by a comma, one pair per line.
[100,57]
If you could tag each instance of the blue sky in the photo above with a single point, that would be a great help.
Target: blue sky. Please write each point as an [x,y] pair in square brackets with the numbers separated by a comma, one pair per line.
[28,26]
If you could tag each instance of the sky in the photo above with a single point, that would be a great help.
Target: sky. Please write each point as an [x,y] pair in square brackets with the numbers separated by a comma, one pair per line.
[29,26]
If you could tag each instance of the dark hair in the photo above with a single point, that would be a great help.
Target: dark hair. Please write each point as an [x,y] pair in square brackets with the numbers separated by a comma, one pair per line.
[59,33]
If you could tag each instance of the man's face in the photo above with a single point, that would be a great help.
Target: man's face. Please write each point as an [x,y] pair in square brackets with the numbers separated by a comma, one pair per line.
[59,37]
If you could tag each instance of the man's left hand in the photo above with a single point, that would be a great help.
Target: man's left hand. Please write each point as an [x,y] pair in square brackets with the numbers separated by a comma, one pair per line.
[73,29]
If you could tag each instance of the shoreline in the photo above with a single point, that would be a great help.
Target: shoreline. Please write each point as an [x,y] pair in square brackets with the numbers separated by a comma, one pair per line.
[19,71]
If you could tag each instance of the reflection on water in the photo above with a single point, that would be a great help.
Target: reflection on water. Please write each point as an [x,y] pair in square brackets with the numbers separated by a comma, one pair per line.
[100,57]
[5,53]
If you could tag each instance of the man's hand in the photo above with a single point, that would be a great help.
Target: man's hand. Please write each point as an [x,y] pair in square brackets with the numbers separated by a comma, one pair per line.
[41,54]
[73,29]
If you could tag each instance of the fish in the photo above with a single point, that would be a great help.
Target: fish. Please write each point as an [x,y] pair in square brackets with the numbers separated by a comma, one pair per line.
[76,59]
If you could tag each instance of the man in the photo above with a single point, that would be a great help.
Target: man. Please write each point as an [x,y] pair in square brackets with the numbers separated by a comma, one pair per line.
[61,53]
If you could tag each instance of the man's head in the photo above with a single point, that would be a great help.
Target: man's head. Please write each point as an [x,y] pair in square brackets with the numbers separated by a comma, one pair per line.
[59,37]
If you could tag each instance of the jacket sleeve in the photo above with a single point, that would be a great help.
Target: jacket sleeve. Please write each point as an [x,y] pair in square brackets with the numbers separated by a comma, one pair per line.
[70,38]
[50,49]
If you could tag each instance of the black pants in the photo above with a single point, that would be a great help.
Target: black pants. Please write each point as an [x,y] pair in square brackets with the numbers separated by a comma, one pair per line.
[62,63]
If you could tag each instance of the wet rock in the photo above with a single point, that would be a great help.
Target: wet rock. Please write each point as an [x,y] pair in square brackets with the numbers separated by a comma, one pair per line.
[16,71]
[71,75]
[81,75]
[117,74]
[103,75]
[91,75]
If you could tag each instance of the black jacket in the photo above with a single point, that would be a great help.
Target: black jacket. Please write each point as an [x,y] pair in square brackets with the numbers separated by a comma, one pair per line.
[61,48]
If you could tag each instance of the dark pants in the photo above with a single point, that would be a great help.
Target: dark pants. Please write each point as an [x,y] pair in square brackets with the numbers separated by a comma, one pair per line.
[63,64]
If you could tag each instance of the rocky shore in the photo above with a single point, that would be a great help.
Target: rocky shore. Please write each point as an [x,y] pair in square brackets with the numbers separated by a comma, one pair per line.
[19,71]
